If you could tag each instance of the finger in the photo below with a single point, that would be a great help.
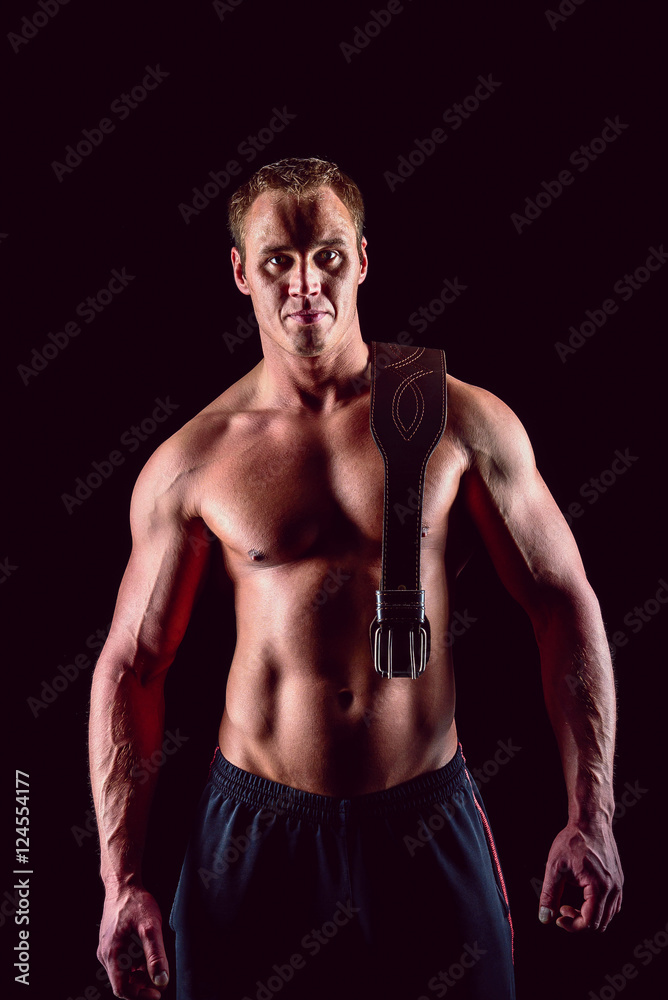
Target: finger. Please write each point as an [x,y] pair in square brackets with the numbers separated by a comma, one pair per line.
[550,896]
[140,986]
[596,901]
[133,986]
[122,980]
[116,979]
[569,919]
[156,959]
[574,921]
[612,908]
[142,990]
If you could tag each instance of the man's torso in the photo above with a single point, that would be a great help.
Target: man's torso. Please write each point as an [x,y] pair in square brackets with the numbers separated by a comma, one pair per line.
[296,499]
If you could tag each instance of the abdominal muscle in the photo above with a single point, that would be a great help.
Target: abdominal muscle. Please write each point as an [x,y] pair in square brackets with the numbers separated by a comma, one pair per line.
[304,705]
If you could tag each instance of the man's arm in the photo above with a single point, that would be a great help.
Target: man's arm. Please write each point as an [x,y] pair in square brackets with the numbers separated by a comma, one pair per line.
[537,559]
[166,566]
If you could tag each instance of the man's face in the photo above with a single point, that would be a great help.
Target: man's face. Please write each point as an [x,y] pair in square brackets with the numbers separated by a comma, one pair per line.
[302,269]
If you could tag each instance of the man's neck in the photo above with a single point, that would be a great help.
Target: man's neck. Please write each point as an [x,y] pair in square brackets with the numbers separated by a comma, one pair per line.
[318,383]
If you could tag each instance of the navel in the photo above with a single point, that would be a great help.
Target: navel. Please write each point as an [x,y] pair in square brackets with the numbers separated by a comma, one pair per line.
[345,699]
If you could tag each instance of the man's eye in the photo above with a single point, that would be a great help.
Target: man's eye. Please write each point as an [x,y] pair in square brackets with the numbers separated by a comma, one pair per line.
[279,259]
[327,259]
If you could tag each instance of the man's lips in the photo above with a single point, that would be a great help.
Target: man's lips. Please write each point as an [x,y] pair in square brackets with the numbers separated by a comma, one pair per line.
[308,315]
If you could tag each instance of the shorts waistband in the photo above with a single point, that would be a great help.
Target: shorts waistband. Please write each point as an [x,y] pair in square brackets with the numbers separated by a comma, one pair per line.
[259,792]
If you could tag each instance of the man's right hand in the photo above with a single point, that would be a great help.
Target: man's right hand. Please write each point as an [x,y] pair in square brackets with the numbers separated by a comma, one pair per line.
[137,969]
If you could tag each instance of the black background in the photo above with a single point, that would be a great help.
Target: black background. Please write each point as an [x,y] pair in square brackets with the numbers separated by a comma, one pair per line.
[162,337]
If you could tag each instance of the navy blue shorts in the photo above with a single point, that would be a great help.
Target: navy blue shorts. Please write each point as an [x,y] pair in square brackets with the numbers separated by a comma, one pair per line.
[396,893]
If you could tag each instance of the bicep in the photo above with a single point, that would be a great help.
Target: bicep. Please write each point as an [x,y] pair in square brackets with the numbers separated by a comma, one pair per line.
[170,552]
[525,533]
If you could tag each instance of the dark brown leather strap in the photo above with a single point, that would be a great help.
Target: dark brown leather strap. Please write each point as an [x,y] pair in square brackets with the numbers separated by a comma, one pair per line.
[407,417]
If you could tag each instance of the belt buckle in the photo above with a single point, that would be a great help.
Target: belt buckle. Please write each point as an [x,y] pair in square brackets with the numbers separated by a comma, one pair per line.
[400,634]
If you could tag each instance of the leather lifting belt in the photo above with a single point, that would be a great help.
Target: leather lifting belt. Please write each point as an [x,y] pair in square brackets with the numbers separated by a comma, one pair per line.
[407,417]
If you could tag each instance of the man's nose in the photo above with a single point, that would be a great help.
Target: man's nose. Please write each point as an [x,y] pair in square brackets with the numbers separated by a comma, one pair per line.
[304,279]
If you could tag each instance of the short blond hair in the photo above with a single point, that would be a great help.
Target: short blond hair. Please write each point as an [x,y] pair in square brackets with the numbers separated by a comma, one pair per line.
[296,176]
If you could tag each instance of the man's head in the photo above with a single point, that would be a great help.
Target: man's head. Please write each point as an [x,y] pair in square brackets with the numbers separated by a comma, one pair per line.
[303,253]
[298,177]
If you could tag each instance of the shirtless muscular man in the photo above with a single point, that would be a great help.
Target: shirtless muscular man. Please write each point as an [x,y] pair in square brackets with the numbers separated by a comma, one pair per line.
[298,877]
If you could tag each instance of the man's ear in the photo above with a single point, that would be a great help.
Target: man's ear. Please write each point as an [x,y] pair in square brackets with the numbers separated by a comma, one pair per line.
[364,263]
[239,276]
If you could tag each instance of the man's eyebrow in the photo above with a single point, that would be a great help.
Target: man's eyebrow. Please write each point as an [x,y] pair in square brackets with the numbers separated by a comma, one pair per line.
[333,240]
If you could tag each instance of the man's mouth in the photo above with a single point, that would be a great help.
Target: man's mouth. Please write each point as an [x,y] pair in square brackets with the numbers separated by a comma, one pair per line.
[306,316]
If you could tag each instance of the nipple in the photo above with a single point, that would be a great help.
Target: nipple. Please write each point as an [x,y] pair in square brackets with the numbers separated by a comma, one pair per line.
[256,555]
[425,530]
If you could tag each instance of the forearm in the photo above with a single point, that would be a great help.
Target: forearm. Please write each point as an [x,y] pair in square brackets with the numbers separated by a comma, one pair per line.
[579,691]
[126,726]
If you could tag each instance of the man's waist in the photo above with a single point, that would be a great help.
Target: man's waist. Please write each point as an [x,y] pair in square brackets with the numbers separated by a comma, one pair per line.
[261,792]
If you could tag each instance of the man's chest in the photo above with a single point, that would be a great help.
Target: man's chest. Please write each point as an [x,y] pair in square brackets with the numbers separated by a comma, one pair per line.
[304,488]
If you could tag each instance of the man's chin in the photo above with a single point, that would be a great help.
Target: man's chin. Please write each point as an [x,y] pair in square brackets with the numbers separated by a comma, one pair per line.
[309,341]
[309,345]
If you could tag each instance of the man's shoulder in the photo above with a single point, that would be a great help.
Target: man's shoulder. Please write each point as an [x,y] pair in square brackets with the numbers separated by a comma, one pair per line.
[481,422]
[180,458]
[473,403]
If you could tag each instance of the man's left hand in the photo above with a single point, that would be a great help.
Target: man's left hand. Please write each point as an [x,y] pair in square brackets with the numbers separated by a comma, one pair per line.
[585,856]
